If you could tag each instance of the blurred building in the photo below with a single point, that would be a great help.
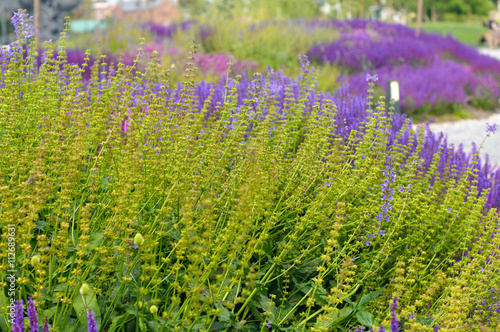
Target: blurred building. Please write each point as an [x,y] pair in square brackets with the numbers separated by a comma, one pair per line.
[160,11]
[52,14]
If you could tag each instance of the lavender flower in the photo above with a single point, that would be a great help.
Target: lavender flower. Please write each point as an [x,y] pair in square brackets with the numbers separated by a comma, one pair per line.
[269,324]
[304,63]
[92,325]
[46,326]
[394,319]
[22,28]
[491,128]
[19,319]
[32,315]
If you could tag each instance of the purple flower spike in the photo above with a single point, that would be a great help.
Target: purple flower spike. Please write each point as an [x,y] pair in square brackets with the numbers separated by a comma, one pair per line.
[91,323]
[46,326]
[32,315]
[394,319]
[491,128]
[19,319]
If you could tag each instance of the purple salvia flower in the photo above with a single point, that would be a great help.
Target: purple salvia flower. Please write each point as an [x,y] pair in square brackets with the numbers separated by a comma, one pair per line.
[19,319]
[32,315]
[92,326]
[491,128]
[380,217]
[269,324]
[45,327]
[22,29]
[394,319]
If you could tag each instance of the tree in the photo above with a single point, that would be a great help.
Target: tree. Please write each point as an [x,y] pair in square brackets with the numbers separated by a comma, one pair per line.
[437,8]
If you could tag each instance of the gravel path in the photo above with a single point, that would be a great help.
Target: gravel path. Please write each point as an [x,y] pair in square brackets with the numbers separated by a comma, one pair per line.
[495,53]
[467,131]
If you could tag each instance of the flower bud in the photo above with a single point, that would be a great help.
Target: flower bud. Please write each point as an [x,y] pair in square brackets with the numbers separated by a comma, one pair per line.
[153,309]
[138,239]
[35,260]
[85,289]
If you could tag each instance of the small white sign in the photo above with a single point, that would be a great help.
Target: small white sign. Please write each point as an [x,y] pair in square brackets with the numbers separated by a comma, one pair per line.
[394,86]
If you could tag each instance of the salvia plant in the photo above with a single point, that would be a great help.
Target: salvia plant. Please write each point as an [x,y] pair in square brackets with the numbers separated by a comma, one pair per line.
[437,74]
[257,203]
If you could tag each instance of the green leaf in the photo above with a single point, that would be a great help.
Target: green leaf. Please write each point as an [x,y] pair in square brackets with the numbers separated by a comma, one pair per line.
[40,224]
[225,315]
[3,318]
[265,303]
[131,309]
[69,324]
[253,305]
[321,295]
[95,240]
[286,310]
[155,325]
[363,302]
[217,326]
[82,308]
[49,313]
[326,321]
[105,181]
[119,321]
[348,300]
[346,311]
[365,318]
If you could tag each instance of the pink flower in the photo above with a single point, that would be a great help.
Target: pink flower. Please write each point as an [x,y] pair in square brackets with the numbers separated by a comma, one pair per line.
[125,124]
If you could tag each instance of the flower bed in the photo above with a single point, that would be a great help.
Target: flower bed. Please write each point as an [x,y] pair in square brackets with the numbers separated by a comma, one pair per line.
[254,203]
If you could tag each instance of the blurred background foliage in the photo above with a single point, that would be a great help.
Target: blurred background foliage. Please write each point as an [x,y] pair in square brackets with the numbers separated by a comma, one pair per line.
[434,10]
[256,35]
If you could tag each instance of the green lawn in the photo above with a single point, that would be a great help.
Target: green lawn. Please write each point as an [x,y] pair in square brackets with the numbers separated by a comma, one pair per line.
[464,32]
